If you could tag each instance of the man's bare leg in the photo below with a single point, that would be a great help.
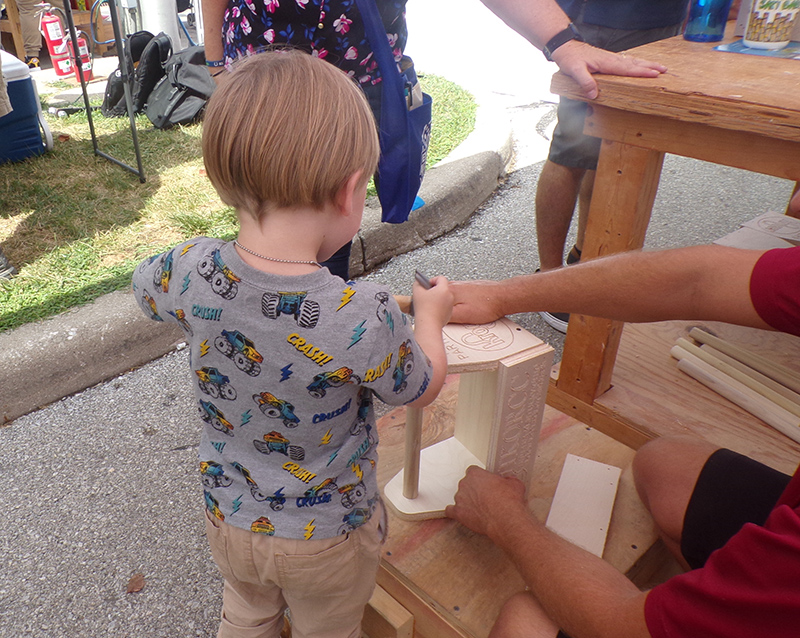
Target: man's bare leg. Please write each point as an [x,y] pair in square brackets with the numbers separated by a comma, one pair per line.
[523,617]
[556,195]
[665,471]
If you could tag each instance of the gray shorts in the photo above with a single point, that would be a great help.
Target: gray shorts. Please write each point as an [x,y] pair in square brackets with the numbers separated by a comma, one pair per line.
[570,147]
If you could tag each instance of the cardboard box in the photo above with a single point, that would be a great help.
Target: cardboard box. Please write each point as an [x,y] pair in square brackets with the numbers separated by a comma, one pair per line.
[103,30]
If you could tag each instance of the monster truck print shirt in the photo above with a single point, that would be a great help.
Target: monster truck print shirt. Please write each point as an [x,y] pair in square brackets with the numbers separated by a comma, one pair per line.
[284,371]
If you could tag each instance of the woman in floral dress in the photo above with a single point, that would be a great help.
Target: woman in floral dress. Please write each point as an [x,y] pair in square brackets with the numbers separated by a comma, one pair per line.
[329,29]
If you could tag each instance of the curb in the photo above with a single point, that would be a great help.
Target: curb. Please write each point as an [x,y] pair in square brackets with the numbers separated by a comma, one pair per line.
[45,361]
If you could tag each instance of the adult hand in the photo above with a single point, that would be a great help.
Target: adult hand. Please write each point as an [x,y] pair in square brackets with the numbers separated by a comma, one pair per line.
[474,302]
[485,501]
[579,60]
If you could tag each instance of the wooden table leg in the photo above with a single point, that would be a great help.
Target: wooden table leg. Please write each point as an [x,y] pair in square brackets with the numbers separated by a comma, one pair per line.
[15,28]
[624,191]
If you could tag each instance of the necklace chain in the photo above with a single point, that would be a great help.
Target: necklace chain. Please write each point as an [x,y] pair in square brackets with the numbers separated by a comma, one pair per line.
[283,261]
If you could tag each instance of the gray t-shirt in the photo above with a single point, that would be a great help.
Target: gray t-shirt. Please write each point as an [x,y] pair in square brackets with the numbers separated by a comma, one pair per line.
[284,370]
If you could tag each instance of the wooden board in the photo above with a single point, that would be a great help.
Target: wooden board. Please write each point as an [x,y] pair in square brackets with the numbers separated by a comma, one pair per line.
[737,92]
[454,581]
[479,347]
[650,397]
[741,149]
[442,466]
[384,617]
[583,502]
[13,26]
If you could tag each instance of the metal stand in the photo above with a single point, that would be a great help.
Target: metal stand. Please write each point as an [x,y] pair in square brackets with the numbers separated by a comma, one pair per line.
[126,87]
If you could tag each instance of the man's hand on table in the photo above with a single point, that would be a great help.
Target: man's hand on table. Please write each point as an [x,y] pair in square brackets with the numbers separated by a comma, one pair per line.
[579,60]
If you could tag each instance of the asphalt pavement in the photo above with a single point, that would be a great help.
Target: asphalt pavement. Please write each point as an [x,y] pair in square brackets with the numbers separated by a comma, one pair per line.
[102,485]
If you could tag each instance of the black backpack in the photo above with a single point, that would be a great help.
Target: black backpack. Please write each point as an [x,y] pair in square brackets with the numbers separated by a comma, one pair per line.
[145,55]
[181,95]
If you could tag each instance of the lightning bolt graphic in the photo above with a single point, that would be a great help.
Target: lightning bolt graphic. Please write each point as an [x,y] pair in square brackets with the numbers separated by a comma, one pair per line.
[389,319]
[204,348]
[286,372]
[358,471]
[310,527]
[326,438]
[347,295]
[358,332]
[186,250]
[246,416]
[237,503]
[219,446]
[186,281]
[333,456]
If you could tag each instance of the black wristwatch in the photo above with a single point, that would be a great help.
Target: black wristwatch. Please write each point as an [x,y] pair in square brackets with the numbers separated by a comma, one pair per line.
[562,37]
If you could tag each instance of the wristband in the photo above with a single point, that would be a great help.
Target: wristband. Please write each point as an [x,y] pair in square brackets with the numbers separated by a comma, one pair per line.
[215,63]
[562,37]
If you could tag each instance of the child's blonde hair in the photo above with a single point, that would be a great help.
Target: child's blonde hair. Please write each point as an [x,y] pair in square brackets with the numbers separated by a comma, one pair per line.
[286,129]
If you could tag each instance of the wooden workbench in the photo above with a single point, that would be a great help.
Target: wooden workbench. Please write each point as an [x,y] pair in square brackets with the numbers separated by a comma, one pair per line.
[727,108]
[453,581]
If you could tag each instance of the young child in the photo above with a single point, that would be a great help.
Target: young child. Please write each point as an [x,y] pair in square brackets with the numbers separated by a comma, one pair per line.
[286,357]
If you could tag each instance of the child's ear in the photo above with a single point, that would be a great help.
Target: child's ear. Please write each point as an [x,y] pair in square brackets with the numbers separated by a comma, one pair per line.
[347,195]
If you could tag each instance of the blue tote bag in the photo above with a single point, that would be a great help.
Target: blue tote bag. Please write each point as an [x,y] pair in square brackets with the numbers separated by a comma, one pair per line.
[404,134]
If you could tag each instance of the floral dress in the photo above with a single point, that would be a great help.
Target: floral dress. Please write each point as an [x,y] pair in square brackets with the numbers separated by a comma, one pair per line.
[330,29]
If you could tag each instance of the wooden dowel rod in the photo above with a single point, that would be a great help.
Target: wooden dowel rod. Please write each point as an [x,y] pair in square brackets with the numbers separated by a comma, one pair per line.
[741,395]
[775,371]
[413,444]
[741,377]
[781,389]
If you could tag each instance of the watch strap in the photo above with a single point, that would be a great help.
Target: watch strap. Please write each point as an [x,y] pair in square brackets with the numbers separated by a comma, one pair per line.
[562,37]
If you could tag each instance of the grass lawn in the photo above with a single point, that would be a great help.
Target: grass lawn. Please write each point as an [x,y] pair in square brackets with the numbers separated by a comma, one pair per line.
[76,225]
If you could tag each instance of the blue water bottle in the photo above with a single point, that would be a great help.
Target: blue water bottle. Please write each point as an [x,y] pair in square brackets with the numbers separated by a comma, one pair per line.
[706,20]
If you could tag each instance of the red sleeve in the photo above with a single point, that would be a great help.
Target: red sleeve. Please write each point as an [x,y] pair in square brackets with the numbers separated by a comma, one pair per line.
[775,289]
[746,589]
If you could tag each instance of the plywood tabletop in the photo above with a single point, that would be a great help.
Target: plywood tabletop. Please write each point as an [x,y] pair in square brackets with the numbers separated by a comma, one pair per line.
[730,90]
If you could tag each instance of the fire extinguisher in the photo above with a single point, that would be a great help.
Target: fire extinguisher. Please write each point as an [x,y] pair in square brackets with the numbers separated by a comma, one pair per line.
[53,32]
[86,57]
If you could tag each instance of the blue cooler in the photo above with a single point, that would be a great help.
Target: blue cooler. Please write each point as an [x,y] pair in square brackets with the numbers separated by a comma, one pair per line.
[21,130]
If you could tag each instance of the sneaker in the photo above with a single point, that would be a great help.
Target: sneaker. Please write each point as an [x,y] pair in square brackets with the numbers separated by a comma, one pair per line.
[33,62]
[6,269]
[557,320]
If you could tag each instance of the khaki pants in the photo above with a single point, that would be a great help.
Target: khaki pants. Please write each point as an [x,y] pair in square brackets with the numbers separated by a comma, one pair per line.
[325,583]
[29,24]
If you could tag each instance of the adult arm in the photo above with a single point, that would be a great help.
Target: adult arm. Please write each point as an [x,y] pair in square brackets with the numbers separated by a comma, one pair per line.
[710,283]
[794,203]
[583,594]
[539,20]
[213,15]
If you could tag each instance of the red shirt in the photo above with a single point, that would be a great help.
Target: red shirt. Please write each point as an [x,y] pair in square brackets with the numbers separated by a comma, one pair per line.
[750,587]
